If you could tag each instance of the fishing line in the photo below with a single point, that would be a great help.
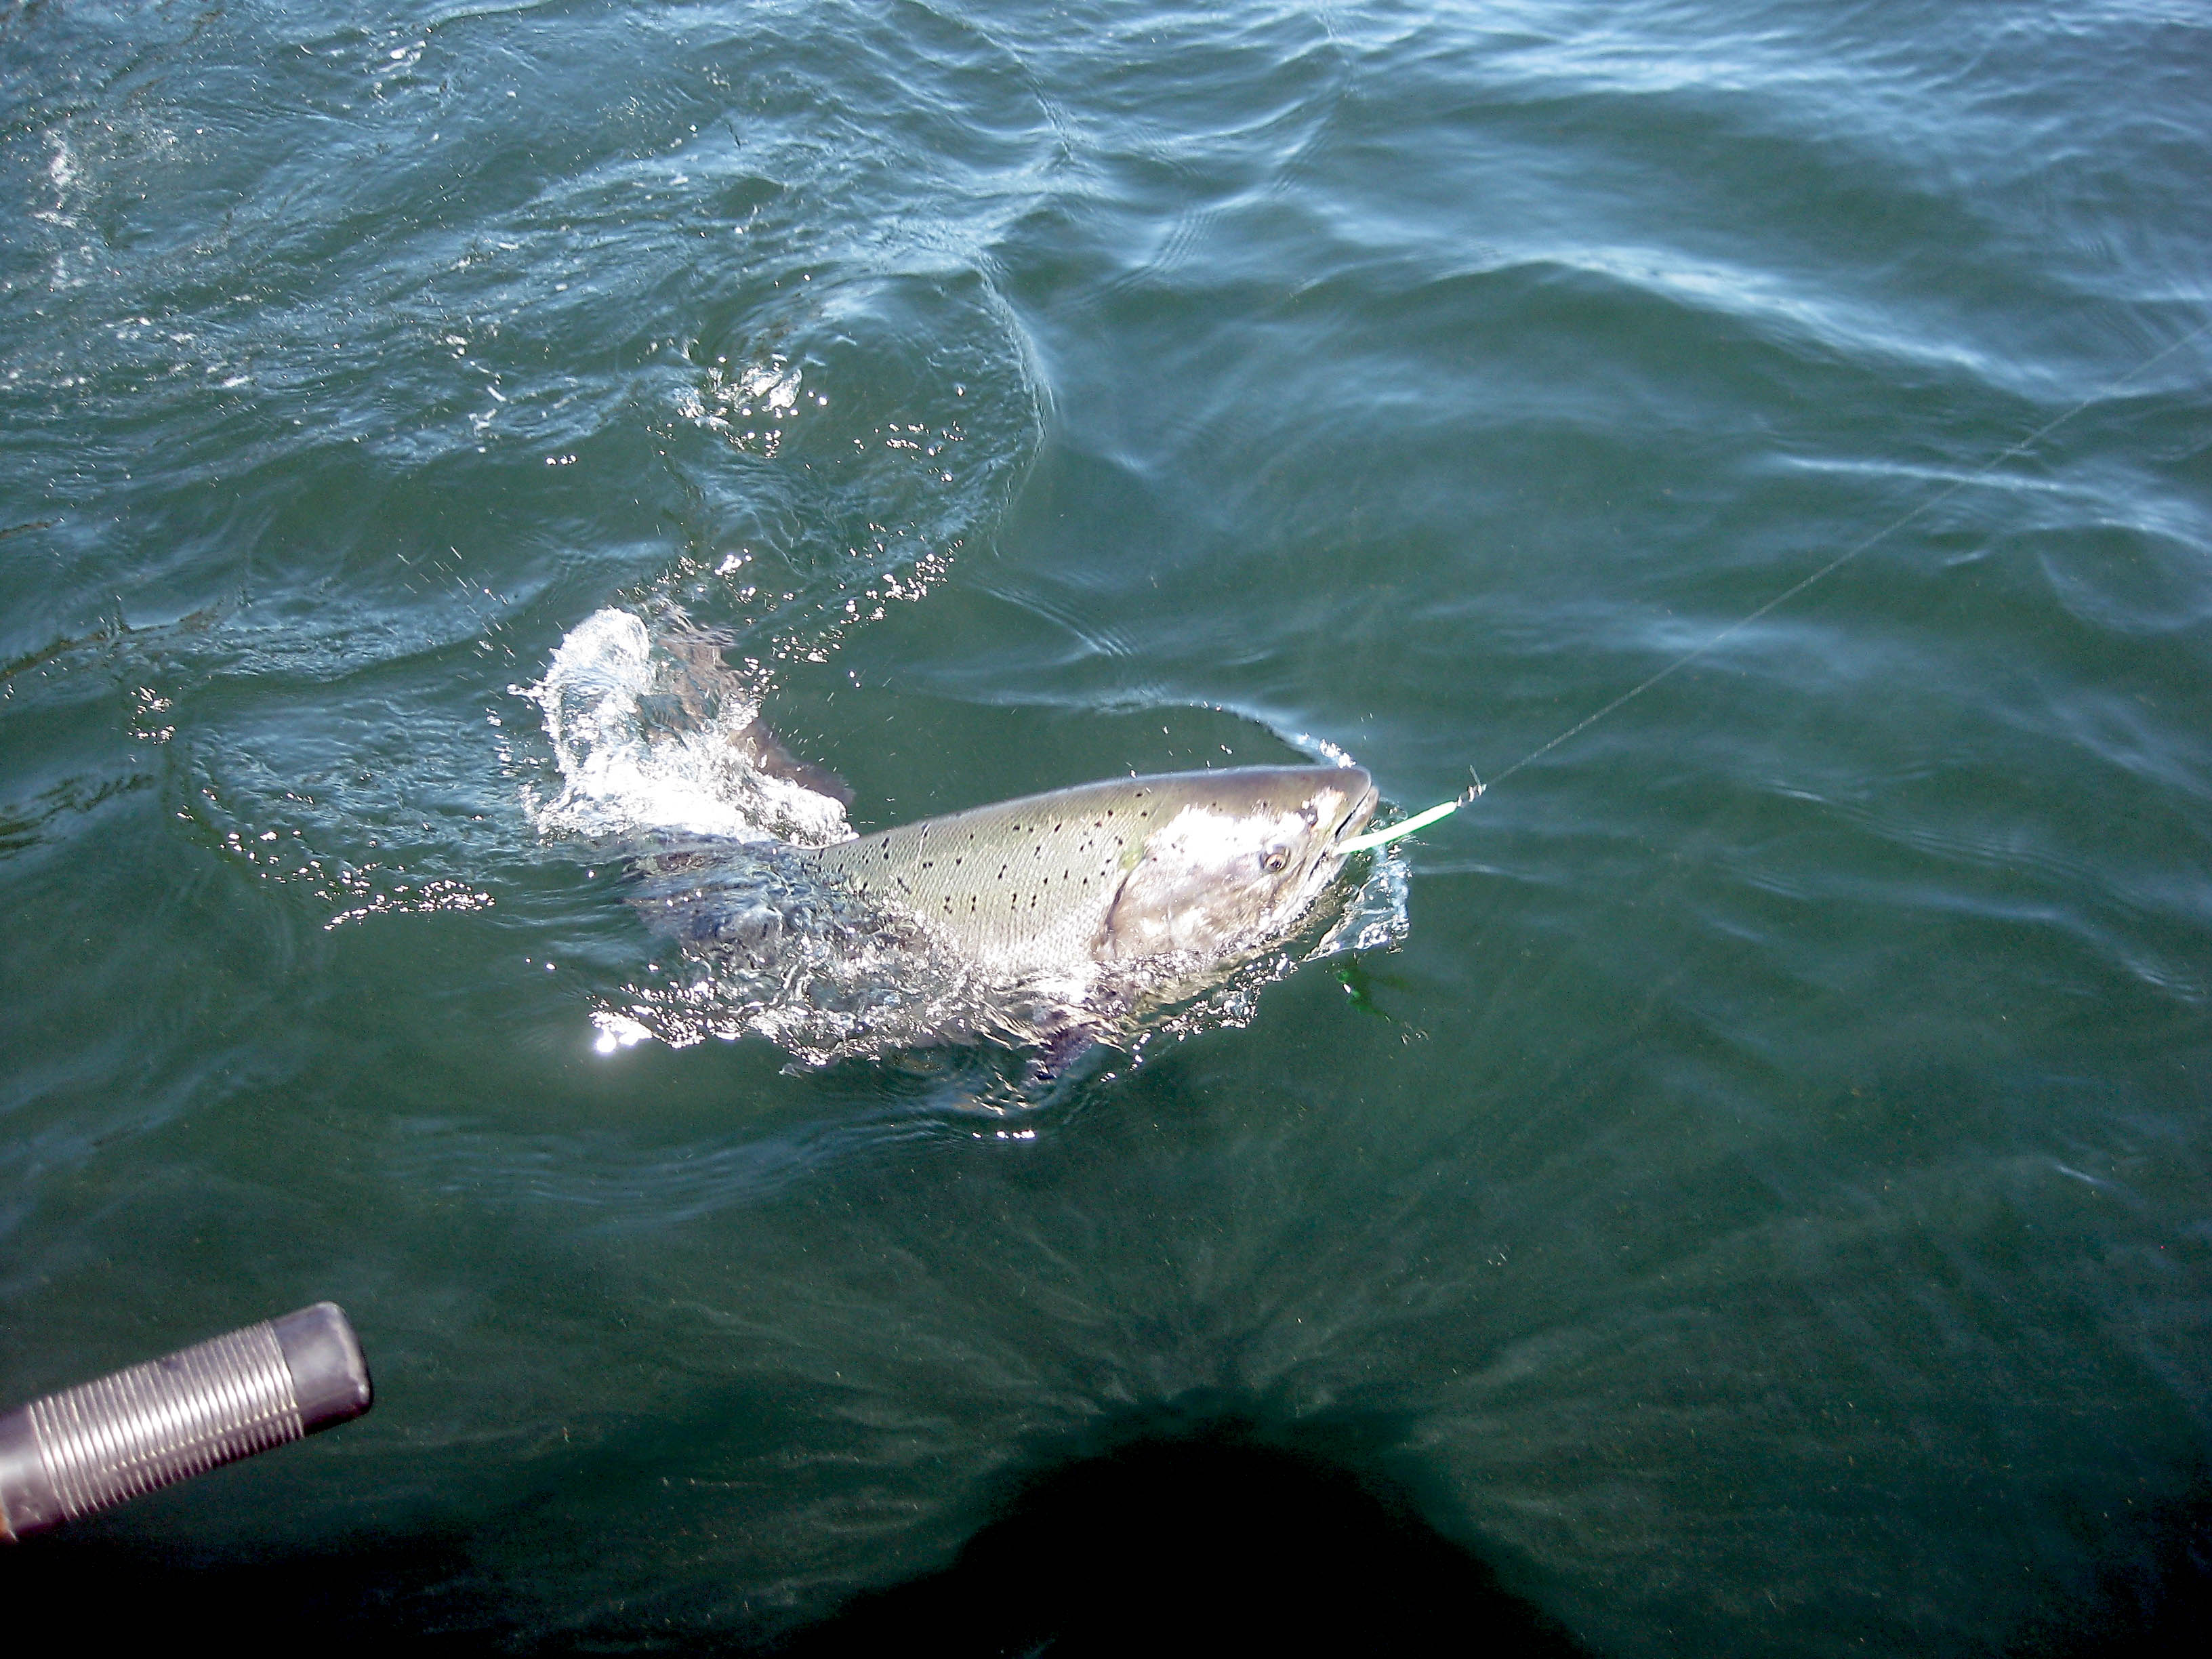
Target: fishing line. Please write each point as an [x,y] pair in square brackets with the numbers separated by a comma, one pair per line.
[1444,809]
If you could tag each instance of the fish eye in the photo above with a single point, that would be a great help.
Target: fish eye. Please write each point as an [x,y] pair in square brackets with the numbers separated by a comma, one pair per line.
[1276,858]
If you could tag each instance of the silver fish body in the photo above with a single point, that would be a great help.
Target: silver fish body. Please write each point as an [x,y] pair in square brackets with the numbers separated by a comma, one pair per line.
[1186,865]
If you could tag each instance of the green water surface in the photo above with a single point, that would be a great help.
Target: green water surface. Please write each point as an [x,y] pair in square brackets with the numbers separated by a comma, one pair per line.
[1763,1208]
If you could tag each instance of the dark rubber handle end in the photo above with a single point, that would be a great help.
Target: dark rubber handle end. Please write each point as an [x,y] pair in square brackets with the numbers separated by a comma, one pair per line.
[74,1453]
[329,1374]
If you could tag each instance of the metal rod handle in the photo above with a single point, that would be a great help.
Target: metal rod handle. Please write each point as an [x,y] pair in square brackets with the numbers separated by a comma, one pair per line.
[135,1430]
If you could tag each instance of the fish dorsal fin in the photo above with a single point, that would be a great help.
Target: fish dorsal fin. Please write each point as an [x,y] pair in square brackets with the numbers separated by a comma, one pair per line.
[758,743]
[700,682]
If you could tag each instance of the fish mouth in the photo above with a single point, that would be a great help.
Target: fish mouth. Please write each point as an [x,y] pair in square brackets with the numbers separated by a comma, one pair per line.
[1365,798]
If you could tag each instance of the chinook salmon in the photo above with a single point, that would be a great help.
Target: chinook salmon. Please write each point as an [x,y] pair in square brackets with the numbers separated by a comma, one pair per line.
[1049,922]
[1112,912]
[1184,864]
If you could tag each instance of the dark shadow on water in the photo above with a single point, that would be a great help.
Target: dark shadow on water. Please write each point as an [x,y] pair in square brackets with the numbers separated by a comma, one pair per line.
[1216,1536]
[1220,1537]
[113,1595]
[2153,1595]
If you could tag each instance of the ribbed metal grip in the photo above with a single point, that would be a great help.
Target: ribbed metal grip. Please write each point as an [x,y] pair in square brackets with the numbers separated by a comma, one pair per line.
[88,1447]
[145,1427]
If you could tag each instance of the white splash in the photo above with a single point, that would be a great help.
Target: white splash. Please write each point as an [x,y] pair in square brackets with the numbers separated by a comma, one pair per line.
[63,174]
[774,384]
[650,742]
[748,406]
[1320,748]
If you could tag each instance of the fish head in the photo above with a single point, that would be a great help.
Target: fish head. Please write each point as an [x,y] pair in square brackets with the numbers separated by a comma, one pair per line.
[1239,853]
